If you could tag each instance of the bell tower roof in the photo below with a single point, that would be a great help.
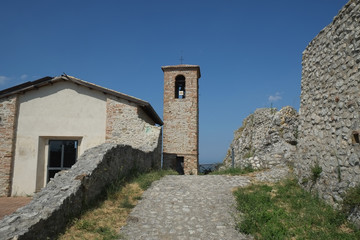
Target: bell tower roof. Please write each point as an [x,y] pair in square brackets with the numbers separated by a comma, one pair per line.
[182,67]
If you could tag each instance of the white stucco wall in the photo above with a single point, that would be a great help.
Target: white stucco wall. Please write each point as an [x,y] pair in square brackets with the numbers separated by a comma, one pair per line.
[60,111]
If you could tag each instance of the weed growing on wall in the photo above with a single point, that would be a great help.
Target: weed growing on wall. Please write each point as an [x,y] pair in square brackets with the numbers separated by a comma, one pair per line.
[305,181]
[351,199]
[316,170]
[338,169]
[296,133]
[250,153]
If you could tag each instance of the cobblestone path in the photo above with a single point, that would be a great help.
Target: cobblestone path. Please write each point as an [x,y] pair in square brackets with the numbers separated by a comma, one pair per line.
[191,207]
[186,207]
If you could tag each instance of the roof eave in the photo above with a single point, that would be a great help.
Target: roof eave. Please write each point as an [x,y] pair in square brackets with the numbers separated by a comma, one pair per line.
[146,106]
[49,80]
[151,112]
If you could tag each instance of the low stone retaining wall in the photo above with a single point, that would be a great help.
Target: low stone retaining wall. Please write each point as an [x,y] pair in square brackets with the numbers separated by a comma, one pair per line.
[65,195]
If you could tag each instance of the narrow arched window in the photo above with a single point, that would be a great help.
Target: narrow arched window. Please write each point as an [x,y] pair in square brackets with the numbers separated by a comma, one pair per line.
[180,86]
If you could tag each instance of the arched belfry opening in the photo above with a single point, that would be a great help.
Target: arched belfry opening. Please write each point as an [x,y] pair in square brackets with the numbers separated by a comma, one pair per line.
[180,86]
[181,118]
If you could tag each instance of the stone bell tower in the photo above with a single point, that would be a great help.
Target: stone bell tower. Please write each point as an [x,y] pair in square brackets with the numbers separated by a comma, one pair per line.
[181,118]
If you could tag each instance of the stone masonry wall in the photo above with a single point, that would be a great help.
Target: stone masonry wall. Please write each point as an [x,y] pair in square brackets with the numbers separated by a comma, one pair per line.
[329,111]
[8,110]
[181,118]
[266,139]
[128,124]
[66,194]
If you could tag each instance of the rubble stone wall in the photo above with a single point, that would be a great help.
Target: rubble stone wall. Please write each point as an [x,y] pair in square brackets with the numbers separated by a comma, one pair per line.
[126,123]
[329,111]
[66,194]
[8,111]
[266,139]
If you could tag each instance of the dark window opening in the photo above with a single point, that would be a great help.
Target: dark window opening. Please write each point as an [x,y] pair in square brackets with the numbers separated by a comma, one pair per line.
[180,87]
[356,137]
[180,165]
[62,155]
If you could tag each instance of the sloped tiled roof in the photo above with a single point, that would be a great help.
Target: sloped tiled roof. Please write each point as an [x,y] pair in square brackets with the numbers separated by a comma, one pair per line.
[21,88]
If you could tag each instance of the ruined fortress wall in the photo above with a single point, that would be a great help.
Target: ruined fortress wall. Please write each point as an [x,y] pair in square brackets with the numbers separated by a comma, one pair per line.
[329,111]
[65,195]
[7,133]
[266,139]
[248,138]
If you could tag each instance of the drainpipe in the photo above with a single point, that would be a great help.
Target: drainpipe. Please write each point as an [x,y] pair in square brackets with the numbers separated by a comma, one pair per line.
[232,157]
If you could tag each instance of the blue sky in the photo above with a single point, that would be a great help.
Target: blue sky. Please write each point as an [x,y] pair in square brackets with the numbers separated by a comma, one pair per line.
[249,52]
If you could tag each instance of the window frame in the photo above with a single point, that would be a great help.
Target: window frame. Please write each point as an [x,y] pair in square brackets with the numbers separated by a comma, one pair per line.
[62,167]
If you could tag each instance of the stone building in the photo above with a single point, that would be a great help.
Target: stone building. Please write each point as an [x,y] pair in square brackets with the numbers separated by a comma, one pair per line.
[329,125]
[181,118]
[45,124]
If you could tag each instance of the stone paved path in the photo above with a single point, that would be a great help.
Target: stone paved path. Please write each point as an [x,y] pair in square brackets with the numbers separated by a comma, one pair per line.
[191,207]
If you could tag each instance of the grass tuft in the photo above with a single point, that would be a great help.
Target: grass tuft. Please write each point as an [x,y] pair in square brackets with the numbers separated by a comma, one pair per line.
[285,211]
[145,180]
[316,171]
[126,203]
[351,199]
